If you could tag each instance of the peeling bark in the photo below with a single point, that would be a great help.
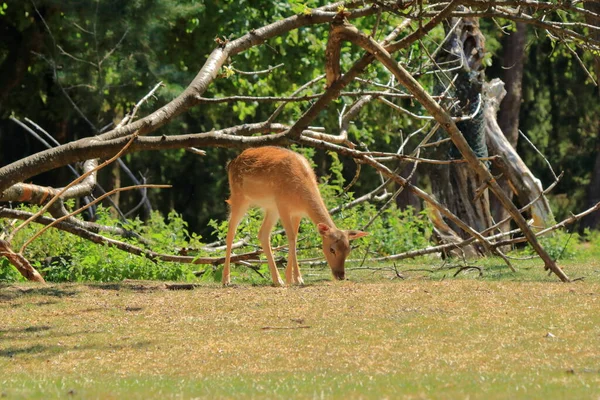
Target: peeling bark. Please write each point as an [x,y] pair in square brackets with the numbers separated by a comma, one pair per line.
[516,175]
[20,263]
[471,178]
[456,185]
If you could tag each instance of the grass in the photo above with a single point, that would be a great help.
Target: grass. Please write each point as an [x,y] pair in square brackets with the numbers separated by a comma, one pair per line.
[499,336]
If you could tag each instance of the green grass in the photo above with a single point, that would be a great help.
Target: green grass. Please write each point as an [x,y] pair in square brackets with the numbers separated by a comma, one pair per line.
[321,385]
[499,336]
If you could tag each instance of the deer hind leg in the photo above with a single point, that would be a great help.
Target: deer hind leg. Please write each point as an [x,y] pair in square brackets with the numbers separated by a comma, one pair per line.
[264,235]
[238,209]
[291,223]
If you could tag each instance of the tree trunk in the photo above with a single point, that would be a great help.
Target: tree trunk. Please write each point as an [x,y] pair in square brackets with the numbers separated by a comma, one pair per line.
[592,221]
[508,116]
[115,183]
[515,174]
[457,185]
[21,49]
[512,63]
[406,198]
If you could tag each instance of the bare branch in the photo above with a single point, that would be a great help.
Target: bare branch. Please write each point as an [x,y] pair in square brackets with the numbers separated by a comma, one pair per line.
[111,51]
[11,174]
[81,209]
[76,181]
[20,263]
[457,138]
[260,72]
[562,224]
[63,52]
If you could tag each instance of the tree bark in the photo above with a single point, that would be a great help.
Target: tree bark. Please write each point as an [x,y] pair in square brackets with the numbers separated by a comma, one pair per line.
[406,198]
[22,46]
[512,62]
[456,185]
[463,146]
[516,176]
[49,159]
[470,143]
[21,263]
[592,221]
[114,183]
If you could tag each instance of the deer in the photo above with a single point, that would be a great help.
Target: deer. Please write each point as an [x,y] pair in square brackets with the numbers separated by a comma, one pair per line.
[283,184]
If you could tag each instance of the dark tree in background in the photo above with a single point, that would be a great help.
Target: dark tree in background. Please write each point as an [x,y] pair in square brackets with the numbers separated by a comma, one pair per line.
[593,192]
[513,57]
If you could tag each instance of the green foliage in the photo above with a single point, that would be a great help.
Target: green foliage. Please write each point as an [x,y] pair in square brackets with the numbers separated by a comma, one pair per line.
[301,6]
[560,114]
[8,273]
[560,245]
[171,48]
[590,245]
[62,257]
[336,181]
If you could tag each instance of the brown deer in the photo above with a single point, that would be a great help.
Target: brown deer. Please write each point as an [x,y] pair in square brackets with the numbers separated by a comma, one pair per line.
[284,185]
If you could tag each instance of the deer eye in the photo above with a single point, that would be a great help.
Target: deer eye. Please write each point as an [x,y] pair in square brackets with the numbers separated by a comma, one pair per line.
[332,250]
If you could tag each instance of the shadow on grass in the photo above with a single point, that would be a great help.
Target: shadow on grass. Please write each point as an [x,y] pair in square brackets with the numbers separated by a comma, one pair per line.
[37,350]
[19,331]
[135,286]
[36,332]
[9,335]
[15,292]
[13,351]
[155,286]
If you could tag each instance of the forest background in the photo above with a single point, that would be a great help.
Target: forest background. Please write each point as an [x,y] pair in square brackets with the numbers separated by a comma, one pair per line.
[77,68]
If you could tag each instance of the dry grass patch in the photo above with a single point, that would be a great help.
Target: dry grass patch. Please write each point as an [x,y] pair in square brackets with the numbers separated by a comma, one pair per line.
[416,338]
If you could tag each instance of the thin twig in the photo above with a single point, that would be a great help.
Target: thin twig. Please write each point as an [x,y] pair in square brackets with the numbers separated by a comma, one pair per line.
[540,153]
[129,117]
[264,71]
[76,181]
[280,108]
[111,51]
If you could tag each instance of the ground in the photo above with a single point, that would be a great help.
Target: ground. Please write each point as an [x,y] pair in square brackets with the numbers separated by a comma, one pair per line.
[366,338]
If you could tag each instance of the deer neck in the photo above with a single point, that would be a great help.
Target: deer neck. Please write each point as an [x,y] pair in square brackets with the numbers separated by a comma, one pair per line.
[317,211]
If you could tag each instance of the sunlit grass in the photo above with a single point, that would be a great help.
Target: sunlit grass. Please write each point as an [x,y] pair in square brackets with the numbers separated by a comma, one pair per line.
[503,335]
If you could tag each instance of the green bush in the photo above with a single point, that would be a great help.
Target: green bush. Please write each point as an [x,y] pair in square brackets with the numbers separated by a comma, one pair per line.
[560,245]
[62,257]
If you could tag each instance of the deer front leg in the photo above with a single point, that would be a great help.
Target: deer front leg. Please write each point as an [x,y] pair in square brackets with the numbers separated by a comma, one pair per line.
[238,209]
[292,272]
[296,276]
[264,235]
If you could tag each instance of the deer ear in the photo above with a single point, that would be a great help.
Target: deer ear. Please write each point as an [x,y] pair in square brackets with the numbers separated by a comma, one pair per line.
[324,229]
[352,234]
